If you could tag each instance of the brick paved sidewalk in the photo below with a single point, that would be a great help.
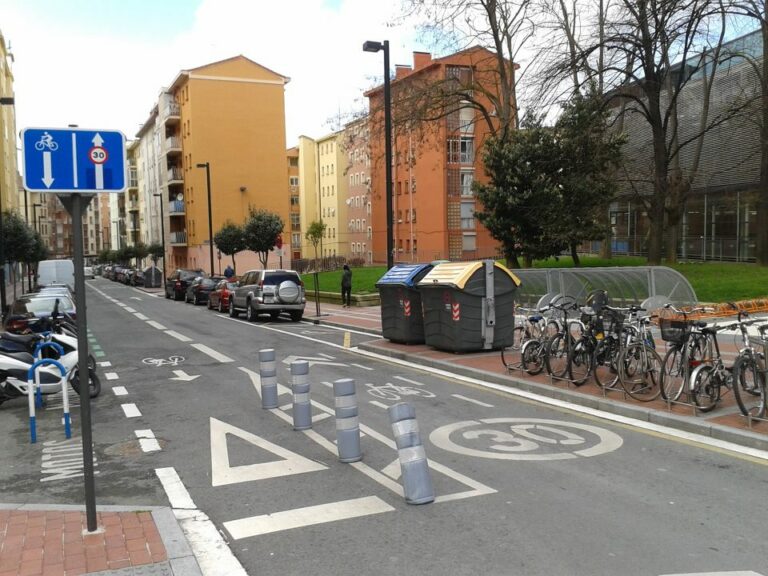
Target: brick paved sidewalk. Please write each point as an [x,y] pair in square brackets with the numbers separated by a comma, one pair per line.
[54,542]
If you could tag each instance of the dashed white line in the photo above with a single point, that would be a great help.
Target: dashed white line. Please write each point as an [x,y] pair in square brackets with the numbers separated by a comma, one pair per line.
[111,376]
[404,379]
[147,440]
[361,366]
[212,353]
[105,364]
[379,404]
[156,325]
[119,391]
[178,336]
[140,316]
[129,309]
[472,400]
[130,410]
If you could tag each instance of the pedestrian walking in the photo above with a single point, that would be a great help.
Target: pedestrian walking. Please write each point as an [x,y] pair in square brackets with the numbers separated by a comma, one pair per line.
[346,287]
[229,272]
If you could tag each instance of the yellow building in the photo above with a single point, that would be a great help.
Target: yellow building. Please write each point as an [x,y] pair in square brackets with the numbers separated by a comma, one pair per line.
[9,187]
[229,115]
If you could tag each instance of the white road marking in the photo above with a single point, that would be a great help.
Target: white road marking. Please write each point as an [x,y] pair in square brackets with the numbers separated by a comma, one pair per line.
[222,473]
[156,325]
[119,391]
[472,400]
[326,356]
[404,379]
[105,364]
[140,316]
[147,441]
[361,366]
[111,375]
[326,383]
[393,469]
[121,304]
[178,336]
[129,309]
[212,353]
[379,404]
[308,516]
[212,553]
[131,411]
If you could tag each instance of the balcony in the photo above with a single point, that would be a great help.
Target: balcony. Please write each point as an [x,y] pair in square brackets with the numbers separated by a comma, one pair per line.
[133,181]
[175,176]
[132,205]
[173,145]
[178,238]
[171,113]
[176,208]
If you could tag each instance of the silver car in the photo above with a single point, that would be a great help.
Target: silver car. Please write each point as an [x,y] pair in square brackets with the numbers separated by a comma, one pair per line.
[268,292]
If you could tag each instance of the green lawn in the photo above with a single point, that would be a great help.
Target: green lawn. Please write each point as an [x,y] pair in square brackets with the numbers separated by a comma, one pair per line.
[712,281]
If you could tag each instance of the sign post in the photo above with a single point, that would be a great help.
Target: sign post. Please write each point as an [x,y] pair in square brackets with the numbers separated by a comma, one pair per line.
[76,164]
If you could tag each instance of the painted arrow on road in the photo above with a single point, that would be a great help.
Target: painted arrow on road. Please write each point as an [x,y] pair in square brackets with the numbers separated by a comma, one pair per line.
[313,360]
[183,376]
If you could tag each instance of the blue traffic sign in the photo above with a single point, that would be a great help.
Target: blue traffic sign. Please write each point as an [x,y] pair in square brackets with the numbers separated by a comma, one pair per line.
[67,160]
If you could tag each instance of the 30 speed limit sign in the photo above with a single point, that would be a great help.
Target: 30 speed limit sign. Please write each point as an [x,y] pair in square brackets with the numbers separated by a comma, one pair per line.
[98,155]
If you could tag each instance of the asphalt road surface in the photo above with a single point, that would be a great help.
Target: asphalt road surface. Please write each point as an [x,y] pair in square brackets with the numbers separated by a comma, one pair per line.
[522,487]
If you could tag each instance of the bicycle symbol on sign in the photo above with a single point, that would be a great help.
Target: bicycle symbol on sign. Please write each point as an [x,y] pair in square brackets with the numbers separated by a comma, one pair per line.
[46,141]
[170,361]
[391,391]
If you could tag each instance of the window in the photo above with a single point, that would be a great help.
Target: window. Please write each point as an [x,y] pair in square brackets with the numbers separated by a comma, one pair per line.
[469,241]
[293,180]
[295,221]
[370,233]
[293,161]
[413,185]
[467,215]
[467,178]
[413,215]
[294,200]
[466,120]
[461,150]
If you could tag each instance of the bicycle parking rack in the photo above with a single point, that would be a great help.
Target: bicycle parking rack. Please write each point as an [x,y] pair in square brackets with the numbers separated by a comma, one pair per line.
[31,373]
[37,355]
[751,419]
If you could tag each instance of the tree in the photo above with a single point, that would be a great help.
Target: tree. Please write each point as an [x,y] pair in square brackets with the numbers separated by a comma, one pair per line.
[260,233]
[105,256]
[523,198]
[155,251]
[314,234]
[589,154]
[140,252]
[230,240]
[17,241]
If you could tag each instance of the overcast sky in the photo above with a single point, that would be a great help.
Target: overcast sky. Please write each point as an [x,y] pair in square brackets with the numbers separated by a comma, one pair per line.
[101,64]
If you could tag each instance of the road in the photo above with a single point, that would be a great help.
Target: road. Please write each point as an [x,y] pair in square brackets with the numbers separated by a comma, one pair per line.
[522,487]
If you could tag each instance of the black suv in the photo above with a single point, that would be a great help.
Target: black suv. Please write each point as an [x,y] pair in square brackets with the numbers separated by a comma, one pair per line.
[178,282]
[268,292]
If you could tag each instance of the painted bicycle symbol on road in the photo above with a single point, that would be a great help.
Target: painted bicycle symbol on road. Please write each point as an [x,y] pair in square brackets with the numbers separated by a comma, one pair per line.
[391,391]
[525,439]
[170,361]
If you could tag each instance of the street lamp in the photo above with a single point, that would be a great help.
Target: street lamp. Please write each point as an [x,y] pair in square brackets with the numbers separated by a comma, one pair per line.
[207,167]
[162,231]
[372,46]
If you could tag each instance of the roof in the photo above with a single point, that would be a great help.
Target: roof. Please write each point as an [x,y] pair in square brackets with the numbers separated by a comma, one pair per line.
[183,75]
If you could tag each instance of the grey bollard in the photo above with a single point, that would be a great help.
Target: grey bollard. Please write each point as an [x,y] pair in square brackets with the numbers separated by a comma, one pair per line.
[268,376]
[417,482]
[302,409]
[347,421]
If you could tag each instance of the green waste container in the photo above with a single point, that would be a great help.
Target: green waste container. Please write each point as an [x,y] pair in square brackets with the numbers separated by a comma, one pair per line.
[469,306]
[402,319]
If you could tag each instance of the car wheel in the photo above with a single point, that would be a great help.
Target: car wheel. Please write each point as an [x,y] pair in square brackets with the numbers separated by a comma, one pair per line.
[167,295]
[296,315]
[195,300]
[250,313]
[232,312]
[221,306]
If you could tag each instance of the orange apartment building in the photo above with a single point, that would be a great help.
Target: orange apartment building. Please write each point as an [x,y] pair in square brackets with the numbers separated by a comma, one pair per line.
[292,233]
[433,170]
[359,230]
[231,115]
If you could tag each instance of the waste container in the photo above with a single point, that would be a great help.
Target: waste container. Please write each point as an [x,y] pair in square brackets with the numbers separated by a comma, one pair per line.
[153,277]
[469,306]
[402,319]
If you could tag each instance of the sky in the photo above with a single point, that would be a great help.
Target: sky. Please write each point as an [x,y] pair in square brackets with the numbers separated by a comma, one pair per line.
[101,64]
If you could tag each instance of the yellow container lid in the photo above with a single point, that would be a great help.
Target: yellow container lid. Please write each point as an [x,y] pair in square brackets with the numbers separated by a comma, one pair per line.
[458,273]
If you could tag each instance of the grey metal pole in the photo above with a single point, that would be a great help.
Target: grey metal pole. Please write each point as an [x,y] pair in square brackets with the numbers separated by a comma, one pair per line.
[388,157]
[210,212]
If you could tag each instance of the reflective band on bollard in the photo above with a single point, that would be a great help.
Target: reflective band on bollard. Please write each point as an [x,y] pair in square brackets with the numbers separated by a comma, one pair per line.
[417,482]
[302,408]
[347,422]
[268,376]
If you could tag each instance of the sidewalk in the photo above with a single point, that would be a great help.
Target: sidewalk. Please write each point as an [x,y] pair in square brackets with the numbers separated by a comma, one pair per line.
[51,540]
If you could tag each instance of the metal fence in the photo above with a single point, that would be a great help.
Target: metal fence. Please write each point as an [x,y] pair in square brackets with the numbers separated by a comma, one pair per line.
[625,285]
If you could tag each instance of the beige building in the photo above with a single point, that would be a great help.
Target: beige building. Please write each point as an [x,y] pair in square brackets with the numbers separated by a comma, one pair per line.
[358,199]
[9,184]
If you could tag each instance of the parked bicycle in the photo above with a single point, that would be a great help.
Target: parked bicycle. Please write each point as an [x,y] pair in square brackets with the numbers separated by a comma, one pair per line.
[536,326]
[557,349]
[639,364]
[689,348]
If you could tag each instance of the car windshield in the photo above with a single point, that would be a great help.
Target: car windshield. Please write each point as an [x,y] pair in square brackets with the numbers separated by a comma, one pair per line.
[189,274]
[207,282]
[41,306]
[280,277]
[231,285]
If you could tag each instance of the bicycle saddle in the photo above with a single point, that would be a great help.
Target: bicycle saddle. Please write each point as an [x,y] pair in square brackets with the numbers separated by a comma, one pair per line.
[534,319]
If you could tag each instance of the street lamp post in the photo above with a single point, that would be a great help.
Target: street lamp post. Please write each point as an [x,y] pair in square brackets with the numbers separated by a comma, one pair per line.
[372,46]
[34,215]
[207,167]
[162,231]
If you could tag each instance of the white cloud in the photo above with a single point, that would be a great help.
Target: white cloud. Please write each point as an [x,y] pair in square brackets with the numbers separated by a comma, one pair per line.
[97,80]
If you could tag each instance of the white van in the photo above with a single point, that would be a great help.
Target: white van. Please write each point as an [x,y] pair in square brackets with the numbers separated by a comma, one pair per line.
[56,271]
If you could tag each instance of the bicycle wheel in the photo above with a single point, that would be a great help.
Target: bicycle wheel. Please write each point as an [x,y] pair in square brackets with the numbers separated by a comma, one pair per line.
[705,387]
[556,356]
[518,337]
[604,367]
[532,357]
[640,372]
[749,387]
[674,374]
[580,361]
[508,356]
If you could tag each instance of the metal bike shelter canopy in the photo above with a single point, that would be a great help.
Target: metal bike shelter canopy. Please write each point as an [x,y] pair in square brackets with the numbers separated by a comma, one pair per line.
[625,285]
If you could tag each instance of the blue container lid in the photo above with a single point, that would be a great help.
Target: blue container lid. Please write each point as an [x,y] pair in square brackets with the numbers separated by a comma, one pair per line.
[404,275]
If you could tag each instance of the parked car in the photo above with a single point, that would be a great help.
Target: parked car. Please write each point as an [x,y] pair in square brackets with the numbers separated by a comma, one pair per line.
[56,271]
[137,278]
[178,282]
[199,289]
[219,296]
[88,273]
[27,309]
[268,292]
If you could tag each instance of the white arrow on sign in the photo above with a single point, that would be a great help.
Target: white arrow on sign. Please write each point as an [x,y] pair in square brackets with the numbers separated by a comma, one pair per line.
[97,142]
[183,376]
[312,360]
[47,176]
